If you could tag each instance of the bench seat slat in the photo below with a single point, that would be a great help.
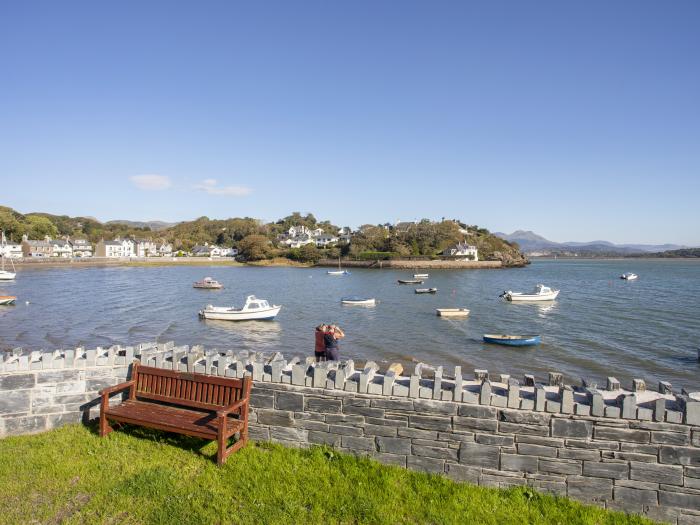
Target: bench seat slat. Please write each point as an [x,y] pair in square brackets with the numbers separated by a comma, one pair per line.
[176,419]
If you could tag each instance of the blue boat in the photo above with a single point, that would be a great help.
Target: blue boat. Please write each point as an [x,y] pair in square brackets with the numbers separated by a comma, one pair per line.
[512,340]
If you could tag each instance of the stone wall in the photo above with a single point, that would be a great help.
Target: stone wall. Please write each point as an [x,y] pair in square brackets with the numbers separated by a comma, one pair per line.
[630,449]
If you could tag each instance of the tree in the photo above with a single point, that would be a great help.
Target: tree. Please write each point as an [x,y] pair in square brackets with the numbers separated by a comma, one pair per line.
[39,227]
[254,247]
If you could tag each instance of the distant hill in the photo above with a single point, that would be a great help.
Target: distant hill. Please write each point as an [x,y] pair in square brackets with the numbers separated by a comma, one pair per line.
[531,243]
[153,225]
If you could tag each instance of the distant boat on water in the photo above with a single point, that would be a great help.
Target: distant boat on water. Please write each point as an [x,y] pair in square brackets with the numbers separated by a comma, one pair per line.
[426,290]
[420,275]
[5,275]
[629,276]
[254,310]
[410,281]
[512,340]
[7,300]
[452,312]
[339,271]
[358,301]
[208,283]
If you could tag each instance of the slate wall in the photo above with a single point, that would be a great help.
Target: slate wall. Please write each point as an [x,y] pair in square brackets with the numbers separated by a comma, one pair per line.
[635,450]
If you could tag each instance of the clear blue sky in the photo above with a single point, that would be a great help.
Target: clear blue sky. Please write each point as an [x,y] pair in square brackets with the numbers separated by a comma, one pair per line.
[578,120]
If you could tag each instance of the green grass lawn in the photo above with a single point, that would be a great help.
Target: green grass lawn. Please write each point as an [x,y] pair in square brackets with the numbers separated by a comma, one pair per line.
[70,475]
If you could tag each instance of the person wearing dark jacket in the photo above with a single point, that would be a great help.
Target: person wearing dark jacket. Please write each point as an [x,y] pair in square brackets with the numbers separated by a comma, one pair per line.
[330,338]
[320,343]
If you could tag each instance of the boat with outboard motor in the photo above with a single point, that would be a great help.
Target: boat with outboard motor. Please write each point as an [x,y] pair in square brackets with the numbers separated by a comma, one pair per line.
[426,290]
[540,293]
[254,310]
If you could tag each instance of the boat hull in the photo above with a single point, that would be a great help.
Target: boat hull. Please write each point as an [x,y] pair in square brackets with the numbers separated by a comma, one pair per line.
[410,281]
[452,312]
[337,272]
[224,314]
[358,302]
[513,340]
[7,276]
[426,290]
[518,297]
[7,299]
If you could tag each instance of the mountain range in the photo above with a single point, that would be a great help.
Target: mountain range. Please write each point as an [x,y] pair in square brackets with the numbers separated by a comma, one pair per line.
[153,225]
[530,243]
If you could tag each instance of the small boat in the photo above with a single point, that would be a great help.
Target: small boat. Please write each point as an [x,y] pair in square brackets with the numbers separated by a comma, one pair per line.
[254,310]
[512,340]
[208,283]
[452,312]
[7,299]
[339,271]
[540,293]
[410,281]
[629,276]
[358,301]
[420,275]
[426,290]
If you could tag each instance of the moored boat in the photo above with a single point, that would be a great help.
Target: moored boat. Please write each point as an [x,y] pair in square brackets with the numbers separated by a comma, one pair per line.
[512,340]
[338,272]
[358,301]
[208,283]
[5,275]
[540,293]
[426,290]
[420,275]
[7,299]
[254,310]
[410,281]
[629,276]
[452,312]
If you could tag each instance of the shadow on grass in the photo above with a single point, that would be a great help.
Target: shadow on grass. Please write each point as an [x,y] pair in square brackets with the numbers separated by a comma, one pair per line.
[187,443]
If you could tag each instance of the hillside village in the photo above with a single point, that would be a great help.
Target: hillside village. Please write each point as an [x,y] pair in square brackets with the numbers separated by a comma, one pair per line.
[296,237]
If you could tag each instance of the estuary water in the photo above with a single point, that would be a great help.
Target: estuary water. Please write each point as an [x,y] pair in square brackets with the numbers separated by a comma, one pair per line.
[599,326]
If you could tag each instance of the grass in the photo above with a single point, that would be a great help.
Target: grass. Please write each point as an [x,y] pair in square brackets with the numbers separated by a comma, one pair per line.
[70,475]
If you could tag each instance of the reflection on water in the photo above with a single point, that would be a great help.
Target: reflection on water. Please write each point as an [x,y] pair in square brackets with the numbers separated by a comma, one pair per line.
[598,325]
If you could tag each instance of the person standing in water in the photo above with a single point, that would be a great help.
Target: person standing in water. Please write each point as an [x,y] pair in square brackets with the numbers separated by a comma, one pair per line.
[330,338]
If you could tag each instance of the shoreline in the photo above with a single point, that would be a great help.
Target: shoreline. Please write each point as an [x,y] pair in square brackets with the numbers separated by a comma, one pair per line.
[407,264]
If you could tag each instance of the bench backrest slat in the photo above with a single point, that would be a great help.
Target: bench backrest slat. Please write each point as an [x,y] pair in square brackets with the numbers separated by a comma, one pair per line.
[193,390]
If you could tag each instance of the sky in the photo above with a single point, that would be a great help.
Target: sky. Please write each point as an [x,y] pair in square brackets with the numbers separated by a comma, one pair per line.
[577,120]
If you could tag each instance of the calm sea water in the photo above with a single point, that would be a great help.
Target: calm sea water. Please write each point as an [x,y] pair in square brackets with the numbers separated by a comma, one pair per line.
[599,326]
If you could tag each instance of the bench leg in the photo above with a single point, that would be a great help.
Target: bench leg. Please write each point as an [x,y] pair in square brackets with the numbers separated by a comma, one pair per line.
[104,426]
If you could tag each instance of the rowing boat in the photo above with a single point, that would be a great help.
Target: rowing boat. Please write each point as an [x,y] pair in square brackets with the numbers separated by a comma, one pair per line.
[512,340]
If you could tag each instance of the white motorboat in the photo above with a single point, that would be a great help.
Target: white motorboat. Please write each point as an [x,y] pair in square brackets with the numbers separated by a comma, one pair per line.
[254,310]
[359,301]
[5,275]
[629,276]
[420,275]
[540,293]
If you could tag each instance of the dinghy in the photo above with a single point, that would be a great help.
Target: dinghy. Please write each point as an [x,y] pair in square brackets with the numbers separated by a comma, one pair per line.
[358,301]
[452,312]
[338,272]
[410,281]
[7,299]
[420,275]
[629,276]
[254,310]
[512,340]
[540,293]
[426,290]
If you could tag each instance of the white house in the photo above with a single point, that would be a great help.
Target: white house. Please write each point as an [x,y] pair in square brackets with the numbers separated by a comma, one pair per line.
[211,250]
[145,248]
[462,250]
[129,247]
[228,252]
[325,240]
[81,248]
[109,249]
[11,251]
[165,249]
[299,241]
[61,248]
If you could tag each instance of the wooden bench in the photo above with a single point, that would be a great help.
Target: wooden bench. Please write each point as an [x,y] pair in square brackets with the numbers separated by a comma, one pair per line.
[197,405]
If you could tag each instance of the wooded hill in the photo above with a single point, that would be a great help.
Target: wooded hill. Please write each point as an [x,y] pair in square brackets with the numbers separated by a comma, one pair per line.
[256,240]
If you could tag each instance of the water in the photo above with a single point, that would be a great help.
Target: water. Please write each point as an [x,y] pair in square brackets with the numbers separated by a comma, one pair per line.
[599,325]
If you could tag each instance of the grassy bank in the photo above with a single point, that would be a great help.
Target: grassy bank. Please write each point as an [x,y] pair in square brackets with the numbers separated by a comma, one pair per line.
[70,475]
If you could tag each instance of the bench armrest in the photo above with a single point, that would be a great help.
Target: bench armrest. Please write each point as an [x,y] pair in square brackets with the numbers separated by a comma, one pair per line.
[117,388]
[232,407]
